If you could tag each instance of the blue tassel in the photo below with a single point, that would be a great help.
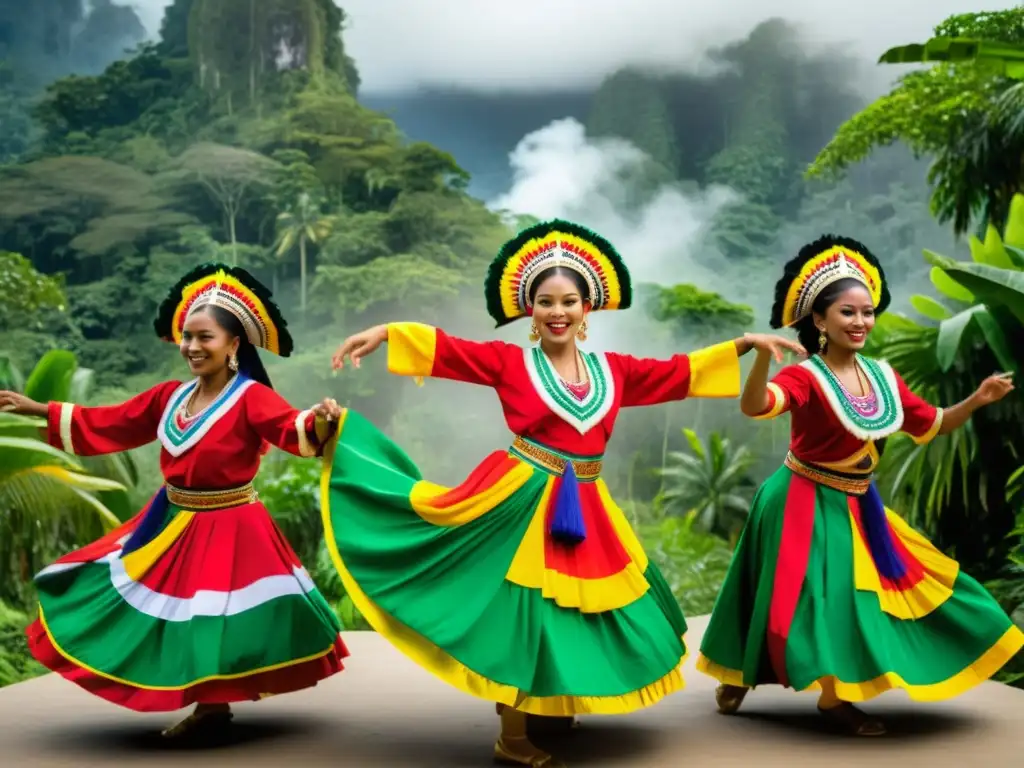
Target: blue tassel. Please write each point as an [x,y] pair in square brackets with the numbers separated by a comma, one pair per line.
[567,525]
[880,535]
[150,525]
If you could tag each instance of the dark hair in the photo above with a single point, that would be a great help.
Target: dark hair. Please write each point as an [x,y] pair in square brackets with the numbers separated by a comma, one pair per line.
[572,274]
[806,331]
[249,363]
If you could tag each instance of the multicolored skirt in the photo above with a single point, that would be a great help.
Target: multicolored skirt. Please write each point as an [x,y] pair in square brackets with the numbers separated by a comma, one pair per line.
[470,583]
[209,606]
[830,587]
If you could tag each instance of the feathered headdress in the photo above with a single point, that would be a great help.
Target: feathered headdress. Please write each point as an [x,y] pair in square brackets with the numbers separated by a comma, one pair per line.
[548,244]
[230,288]
[819,264]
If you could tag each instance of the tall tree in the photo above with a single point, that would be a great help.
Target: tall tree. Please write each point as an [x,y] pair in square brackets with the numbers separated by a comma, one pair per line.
[230,175]
[951,113]
[302,225]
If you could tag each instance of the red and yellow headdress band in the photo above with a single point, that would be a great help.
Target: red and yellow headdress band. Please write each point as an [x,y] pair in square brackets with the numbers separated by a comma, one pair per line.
[549,244]
[234,290]
[820,264]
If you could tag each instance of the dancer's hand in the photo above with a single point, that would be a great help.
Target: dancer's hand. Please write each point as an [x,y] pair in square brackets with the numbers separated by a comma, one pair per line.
[775,345]
[356,347]
[327,409]
[994,389]
[15,402]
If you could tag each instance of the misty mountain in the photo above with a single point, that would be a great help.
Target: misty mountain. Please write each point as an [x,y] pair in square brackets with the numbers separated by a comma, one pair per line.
[479,129]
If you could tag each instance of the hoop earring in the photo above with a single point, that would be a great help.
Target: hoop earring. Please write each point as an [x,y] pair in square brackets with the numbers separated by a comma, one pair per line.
[233,362]
[822,340]
[581,333]
[534,334]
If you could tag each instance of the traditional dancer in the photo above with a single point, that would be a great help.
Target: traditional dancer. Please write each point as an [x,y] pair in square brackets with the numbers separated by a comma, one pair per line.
[525,585]
[199,598]
[827,588]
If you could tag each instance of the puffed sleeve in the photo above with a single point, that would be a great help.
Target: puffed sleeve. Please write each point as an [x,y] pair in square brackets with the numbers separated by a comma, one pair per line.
[921,419]
[710,372]
[298,432]
[96,430]
[421,350]
[788,390]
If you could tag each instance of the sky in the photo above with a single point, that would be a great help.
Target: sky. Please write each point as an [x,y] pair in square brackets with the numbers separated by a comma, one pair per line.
[538,44]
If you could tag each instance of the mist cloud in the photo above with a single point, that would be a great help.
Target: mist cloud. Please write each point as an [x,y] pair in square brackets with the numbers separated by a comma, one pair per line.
[559,172]
[541,44]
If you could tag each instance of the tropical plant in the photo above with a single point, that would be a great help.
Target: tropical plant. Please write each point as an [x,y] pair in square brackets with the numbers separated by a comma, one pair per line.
[305,223]
[694,563]
[976,326]
[51,502]
[58,377]
[956,112]
[15,663]
[712,484]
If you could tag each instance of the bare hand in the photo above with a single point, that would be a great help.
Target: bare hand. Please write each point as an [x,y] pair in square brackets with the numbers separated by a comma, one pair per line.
[994,388]
[328,409]
[776,345]
[356,347]
[15,402]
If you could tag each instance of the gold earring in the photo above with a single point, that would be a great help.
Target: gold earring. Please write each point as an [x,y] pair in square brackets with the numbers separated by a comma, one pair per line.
[581,334]
[534,334]
[233,362]
[822,340]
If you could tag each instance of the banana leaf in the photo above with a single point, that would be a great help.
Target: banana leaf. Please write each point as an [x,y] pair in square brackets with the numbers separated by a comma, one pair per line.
[1006,59]
[52,377]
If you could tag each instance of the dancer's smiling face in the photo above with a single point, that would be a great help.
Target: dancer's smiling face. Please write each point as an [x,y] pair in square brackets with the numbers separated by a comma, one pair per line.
[847,315]
[560,305]
[206,344]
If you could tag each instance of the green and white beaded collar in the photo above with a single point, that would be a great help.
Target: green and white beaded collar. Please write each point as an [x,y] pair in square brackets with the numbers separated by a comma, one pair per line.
[887,420]
[585,414]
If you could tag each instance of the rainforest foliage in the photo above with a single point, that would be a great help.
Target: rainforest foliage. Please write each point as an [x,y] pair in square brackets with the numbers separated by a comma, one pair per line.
[239,136]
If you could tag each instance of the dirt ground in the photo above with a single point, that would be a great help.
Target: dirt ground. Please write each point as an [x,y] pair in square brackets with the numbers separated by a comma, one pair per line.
[384,711]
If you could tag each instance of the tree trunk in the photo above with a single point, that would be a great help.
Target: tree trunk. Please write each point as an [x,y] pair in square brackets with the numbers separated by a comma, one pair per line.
[234,242]
[302,273]
[252,52]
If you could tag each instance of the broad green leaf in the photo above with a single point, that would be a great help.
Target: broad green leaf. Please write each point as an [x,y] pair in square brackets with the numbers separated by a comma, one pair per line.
[1013,232]
[79,480]
[80,385]
[993,285]
[996,339]
[695,444]
[19,454]
[51,378]
[992,252]
[929,307]
[940,261]
[1000,57]
[952,335]
[1016,255]
[14,425]
[949,287]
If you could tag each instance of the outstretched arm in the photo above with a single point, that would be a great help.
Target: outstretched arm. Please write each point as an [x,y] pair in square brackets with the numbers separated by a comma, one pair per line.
[710,372]
[923,421]
[421,350]
[93,431]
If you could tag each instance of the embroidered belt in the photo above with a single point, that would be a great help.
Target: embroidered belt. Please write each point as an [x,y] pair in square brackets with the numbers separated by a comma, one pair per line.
[207,500]
[855,485]
[585,468]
